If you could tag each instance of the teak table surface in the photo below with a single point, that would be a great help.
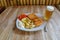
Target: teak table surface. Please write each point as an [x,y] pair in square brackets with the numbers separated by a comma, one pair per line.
[8,30]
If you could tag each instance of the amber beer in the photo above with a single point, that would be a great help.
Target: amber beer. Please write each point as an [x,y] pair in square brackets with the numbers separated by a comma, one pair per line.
[48,12]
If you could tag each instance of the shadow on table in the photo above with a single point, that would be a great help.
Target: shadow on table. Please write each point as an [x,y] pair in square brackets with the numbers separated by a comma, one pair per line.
[17,31]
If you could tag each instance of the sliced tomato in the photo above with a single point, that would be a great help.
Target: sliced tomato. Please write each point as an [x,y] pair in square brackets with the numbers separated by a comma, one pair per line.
[22,16]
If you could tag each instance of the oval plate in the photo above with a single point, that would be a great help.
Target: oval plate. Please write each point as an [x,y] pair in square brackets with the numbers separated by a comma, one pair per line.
[33,29]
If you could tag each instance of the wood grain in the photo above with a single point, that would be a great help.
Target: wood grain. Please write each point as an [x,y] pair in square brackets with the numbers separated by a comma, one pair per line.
[8,30]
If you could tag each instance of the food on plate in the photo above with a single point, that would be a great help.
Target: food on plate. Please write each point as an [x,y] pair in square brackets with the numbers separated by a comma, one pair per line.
[38,22]
[35,19]
[20,23]
[30,21]
[22,16]
[32,16]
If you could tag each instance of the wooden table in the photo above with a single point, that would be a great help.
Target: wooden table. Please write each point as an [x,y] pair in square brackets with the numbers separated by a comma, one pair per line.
[8,30]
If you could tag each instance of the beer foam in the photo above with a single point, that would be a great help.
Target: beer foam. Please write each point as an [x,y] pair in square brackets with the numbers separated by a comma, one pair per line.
[50,8]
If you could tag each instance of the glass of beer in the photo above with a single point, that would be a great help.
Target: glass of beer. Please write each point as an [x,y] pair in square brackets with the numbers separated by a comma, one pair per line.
[48,12]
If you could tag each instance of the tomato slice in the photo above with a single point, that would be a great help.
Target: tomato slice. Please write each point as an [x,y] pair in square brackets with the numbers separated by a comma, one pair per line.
[22,16]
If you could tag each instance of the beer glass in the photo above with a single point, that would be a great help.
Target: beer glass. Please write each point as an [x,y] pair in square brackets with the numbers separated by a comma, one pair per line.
[48,12]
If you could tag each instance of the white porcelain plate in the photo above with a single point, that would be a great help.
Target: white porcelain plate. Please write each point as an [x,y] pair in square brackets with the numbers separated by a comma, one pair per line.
[20,26]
